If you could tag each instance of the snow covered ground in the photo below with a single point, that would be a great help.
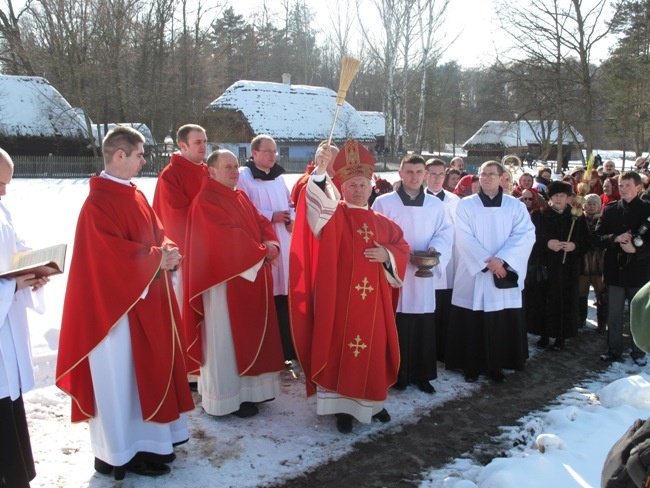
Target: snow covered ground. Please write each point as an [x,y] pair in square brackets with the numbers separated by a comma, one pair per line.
[287,437]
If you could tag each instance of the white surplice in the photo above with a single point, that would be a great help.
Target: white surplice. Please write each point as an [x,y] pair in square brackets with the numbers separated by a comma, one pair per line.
[268,197]
[16,371]
[445,281]
[221,387]
[428,226]
[505,232]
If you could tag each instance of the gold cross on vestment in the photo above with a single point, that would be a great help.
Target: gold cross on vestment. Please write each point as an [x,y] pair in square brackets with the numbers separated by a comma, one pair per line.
[356,345]
[365,232]
[363,289]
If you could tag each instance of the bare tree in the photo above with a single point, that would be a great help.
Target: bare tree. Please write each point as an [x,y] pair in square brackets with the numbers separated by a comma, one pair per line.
[388,47]
[431,18]
[553,34]
[13,54]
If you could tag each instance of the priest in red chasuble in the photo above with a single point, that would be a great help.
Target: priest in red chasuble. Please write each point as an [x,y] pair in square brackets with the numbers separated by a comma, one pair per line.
[178,183]
[229,314]
[120,355]
[344,260]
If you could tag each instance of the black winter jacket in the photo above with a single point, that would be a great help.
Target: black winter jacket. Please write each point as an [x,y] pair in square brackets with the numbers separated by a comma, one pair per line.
[621,268]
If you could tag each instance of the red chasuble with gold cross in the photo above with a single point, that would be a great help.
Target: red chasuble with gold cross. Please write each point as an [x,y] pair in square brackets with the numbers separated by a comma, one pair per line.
[342,318]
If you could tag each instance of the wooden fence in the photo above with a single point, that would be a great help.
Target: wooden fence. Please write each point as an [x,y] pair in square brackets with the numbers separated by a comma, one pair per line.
[84,167]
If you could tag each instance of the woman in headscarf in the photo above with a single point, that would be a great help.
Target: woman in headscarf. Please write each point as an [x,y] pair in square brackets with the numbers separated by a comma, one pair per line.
[592,270]
[562,238]
[451,179]
[530,198]
[595,184]
[525,182]
[610,192]
[468,185]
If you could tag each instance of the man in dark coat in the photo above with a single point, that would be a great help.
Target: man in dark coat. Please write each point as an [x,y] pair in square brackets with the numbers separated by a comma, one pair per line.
[627,259]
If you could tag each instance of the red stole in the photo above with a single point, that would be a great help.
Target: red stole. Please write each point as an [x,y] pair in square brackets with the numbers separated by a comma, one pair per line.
[116,256]
[342,317]
[224,238]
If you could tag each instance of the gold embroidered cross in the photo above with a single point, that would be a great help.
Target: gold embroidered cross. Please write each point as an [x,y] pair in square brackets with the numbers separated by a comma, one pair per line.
[356,345]
[365,288]
[365,232]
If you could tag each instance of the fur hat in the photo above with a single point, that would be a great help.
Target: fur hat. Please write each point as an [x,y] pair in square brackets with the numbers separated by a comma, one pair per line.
[592,198]
[556,187]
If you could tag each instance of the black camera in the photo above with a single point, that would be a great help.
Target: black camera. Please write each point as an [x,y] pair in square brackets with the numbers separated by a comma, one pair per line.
[638,237]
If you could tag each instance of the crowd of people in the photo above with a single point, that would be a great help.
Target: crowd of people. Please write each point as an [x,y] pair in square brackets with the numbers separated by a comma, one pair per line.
[326,278]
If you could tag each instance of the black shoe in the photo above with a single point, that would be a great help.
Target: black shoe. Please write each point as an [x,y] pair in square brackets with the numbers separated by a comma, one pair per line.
[383,416]
[119,472]
[640,361]
[497,376]
[344,423]
[103,467]
[400,385]
[426,387]
[152,458]
[148,469]
[542,343]
[194,386]
[609,357]
[246,409]
[558,345]
[471,377]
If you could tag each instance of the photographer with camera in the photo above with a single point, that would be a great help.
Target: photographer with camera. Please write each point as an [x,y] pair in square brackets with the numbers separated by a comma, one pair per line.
[622,231]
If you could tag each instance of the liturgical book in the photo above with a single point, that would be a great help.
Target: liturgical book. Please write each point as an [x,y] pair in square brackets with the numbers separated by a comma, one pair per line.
[41,262]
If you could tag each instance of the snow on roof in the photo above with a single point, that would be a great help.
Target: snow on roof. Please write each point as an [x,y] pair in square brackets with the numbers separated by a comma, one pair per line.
[516,134]
[292,113]
[30,106]
[375,121]
[99,133]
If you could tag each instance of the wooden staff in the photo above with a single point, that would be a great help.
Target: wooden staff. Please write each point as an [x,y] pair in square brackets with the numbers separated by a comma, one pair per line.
[349,69]
[576,212]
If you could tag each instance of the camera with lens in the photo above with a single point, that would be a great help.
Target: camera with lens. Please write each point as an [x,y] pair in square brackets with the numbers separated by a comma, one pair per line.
[639,236]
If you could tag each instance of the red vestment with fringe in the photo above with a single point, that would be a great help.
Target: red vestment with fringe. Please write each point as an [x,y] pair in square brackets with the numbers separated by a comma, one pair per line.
[116,257]
[225,235]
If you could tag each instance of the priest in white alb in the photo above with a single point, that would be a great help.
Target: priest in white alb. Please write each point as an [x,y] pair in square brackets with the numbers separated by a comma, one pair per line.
[121,357]
[444,282]
[427,227]
[16,371]
[494,237]
[229,318]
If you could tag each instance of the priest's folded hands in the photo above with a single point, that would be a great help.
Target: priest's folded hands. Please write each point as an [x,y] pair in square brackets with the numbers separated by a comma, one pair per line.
[171,257]
[495,265]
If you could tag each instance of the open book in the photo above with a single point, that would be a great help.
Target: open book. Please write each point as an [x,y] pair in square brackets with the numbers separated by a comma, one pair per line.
[41,262]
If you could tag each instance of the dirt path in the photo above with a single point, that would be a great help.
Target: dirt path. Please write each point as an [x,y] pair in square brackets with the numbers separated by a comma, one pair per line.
[465,425]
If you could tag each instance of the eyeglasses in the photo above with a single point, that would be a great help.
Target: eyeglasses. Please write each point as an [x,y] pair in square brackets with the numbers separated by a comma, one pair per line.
[267,151]
[527,199]
[436,175]
[489,175]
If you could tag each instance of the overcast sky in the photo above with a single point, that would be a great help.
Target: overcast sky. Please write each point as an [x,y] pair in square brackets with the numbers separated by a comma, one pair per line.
[473,22]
